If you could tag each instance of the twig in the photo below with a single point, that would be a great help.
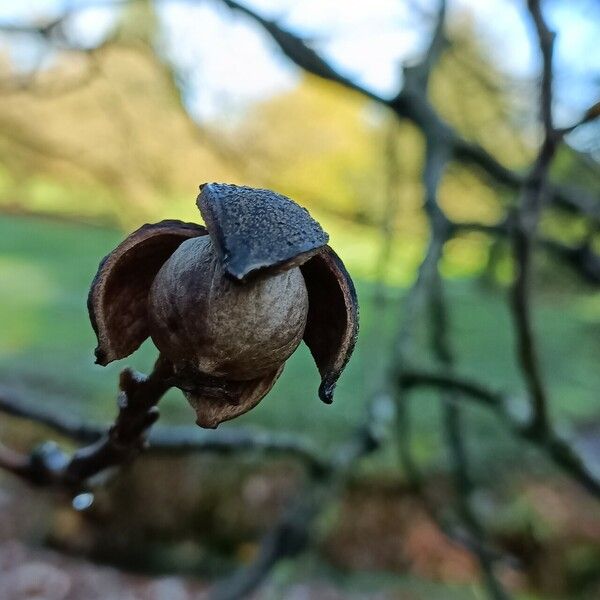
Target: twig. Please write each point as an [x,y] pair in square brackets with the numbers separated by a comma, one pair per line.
[417,485]
[414,106]
[405,105]
[557,449]
[417,76]
[171,440]
[137,411]
[451,409]
[456,442]
[289,538]
[454,435]
[428,287]
[592,113]
[137,401]
[532,200]
[546,43]
[580,258]
[420,292]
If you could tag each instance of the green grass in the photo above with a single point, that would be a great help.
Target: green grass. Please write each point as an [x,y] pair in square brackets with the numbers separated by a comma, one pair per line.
[46,346]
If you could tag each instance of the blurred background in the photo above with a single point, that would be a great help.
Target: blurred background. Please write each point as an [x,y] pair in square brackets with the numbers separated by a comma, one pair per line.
[111,115]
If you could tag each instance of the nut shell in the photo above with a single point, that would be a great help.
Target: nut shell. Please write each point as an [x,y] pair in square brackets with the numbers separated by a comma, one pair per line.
[332,325]
[221,400]
[117,301]
[201,319]
[256,229]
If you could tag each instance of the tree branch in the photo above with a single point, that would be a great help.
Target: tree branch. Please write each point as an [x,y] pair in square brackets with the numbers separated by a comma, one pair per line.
[435,162]
[591,114]
[533,198]
[298,51]
[557,449]
[428,287]
[137,401]
[417,76]
[546,44]
[171,440]
[412,105]
[581,257]
[405,105]
[288,538]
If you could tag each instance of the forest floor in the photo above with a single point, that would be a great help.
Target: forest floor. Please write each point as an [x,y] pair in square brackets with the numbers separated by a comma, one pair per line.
[31,570]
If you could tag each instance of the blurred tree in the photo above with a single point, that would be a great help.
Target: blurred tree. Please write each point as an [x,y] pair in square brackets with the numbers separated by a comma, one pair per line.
[331,154]
[120,147]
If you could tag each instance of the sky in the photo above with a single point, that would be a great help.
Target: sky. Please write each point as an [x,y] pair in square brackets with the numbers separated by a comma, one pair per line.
[228,61]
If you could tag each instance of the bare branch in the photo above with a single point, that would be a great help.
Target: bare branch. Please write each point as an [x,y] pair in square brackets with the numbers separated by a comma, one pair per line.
[60,422]
[425,287]
[591,114]
[546,43]
[417,76]
[533,198]
[405,105]
[437,156]
[289,538]
[298,51]
[581,257]
[417,109]
[417,485]
[526,345]
[138,397]
[171,440]
[557,449]
[435,162]
[465,488]
[413,377]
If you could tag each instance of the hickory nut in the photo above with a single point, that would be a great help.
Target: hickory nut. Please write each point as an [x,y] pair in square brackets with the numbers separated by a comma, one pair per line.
[228,304]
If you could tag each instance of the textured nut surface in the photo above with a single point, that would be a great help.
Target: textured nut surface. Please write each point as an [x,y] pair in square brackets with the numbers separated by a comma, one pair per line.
[254,229]
[223,328]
